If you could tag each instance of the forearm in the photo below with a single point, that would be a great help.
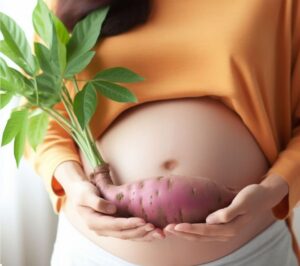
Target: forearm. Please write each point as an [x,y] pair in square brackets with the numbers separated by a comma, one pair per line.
[69,172]
[277,186]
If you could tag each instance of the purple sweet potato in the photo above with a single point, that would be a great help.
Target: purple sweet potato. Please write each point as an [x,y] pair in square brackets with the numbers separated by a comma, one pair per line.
[164,199]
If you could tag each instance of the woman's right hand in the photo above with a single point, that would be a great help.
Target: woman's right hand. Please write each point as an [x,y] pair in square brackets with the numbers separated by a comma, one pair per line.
[84,198]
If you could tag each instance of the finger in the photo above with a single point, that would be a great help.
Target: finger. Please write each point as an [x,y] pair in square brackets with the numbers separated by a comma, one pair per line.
[98,204]
[227,214]
[212,230]
[146,238]
[151,236]
[100,222]
[109,223]
[129,234]
[196,237]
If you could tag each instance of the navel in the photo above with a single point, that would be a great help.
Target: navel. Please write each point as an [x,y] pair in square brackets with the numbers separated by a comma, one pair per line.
[170,164]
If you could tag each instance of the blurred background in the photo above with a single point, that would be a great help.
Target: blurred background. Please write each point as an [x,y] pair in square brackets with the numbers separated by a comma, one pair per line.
[28,223]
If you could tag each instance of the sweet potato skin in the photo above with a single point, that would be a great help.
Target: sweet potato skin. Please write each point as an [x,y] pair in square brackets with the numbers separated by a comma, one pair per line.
[165,199]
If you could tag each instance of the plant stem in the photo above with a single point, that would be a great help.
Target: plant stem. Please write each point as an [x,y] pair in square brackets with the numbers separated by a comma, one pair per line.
[88,131]
[82,137]
[75,84]
[86,142]
[60,119]
[67,101]
[36,90]
[77,136]
[83,142]
[79,139]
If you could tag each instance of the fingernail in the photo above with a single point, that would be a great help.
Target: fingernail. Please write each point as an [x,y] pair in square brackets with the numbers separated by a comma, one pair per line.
[180,227]
[111,208]
[149,227]
[157,235]
[212,219]
[169,227]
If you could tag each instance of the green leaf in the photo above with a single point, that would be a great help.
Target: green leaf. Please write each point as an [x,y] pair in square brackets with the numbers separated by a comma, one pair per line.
[18,45]
[62,55]
[49,89]
[8,82]
[5,49]
[113,91]
[42,22]
[13,125]
[13,81]
[5,99]
[58,52]
[55,35]
[85,104]
[43,55]
[77,64]
[19,143]
[86,33]
[118,74]
[61,30]
[37,128]
[27,89]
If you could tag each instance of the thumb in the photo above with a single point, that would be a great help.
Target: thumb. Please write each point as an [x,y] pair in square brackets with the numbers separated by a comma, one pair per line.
[98,204]
[227,214]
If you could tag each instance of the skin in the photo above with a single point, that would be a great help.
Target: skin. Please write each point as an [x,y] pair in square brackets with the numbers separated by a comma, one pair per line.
[83,197]
[221,225]
[193,198]
[226,223]
[80,210]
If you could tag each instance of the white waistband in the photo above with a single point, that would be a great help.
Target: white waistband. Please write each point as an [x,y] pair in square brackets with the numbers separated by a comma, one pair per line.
[261,250]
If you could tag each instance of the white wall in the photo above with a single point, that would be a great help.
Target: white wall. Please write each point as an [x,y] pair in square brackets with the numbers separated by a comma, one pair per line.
[28,223]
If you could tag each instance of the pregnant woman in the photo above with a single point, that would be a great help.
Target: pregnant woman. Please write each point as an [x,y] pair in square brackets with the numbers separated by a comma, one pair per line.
[220,100]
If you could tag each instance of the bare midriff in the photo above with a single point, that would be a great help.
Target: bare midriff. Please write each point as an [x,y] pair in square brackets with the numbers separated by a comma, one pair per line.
[187,136]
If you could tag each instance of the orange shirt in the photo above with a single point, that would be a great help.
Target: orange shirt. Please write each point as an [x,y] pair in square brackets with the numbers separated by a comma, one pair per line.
[244,53]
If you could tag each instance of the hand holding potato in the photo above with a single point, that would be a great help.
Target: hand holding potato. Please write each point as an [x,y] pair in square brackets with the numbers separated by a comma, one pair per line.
[84,198]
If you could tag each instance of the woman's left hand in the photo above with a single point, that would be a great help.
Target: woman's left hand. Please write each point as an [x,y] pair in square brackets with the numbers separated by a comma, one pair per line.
[224,224]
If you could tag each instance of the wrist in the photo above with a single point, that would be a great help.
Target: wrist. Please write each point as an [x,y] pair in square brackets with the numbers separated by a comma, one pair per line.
[277,186]
[68,172]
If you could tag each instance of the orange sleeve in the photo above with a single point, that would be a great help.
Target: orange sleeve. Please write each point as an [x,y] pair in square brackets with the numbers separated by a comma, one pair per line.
[287,164]
[57,147]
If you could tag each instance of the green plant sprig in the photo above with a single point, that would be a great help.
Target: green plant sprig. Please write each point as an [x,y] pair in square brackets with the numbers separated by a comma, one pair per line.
[58,58]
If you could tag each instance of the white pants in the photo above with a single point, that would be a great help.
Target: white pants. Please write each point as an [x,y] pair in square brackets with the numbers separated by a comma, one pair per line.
[273,247]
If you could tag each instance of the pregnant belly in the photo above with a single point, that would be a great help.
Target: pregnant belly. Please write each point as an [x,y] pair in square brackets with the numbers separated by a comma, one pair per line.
[186,136]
